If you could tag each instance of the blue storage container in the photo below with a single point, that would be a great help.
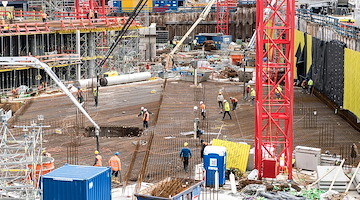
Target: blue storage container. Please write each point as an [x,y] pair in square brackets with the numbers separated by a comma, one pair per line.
[227,39]
[75,182]
[214,161]
[200,39]
[117,4]
[162,6]
[192,192]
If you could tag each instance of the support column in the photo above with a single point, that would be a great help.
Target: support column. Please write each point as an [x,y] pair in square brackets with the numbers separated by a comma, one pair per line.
[78,67]
[91,53]
[27,44]
[61,43]
[19,45]
[10,46]
[357,13]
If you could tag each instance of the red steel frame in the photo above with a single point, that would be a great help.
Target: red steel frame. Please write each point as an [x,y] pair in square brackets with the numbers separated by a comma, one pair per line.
[86,6]
[274,67]
[222,17]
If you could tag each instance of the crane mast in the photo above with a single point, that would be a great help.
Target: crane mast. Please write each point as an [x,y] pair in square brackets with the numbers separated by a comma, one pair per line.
[274,69]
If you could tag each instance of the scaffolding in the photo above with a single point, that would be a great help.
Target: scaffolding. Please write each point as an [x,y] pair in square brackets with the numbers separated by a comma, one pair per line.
[20,160]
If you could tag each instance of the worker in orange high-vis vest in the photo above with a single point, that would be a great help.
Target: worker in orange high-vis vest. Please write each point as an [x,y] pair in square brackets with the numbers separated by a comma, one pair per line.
[146,118]
[115,165]
[98,159]
[202,109]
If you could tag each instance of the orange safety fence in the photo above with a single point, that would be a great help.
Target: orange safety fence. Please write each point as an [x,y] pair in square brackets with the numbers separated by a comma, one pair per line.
[62,25]
[21,14]
[23,28]
[83,14]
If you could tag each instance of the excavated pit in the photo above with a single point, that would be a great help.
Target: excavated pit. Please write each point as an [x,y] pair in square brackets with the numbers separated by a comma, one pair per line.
[115,132]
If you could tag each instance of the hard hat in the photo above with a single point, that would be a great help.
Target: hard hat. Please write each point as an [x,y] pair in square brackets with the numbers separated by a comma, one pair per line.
[230,97]
[186,144]
[117,153]
[145,109]
[225,101]
[94,89]
[201,102]
[219,92]
[252,88]
[142,108]
[96,152]
[248,86]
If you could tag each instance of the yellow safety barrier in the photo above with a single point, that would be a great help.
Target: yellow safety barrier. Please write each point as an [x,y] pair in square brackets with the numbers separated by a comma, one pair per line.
[237,154]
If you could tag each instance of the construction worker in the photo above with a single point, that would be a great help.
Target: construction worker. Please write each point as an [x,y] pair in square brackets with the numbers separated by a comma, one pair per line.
[203,145]
[115,165]
[310,83]
[226,109]
[9,17]
[46,154]
[146,117]
[303,86]
[96,94]
[247,91]
[252,96]
[98,159]
[79,94]
[90,14]
[142,112]
[44,16]
[202,109]
[185,155]
[278,92]
[220,99]
[234,102]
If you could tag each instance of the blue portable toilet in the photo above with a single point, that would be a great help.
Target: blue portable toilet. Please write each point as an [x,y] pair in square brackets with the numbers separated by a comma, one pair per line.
[214,160]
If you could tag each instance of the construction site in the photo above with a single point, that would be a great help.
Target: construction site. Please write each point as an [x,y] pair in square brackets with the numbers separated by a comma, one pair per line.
[183,100]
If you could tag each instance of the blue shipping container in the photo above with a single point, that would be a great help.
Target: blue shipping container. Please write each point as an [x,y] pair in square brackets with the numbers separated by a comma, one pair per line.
[214,161]
[75,182]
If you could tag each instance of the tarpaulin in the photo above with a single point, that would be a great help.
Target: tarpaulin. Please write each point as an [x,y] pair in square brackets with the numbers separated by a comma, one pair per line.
[327,70]
[303,54]
[352,81]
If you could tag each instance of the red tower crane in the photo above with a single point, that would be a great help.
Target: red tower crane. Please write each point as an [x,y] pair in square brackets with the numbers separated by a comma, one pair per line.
[222,15]
[274,86]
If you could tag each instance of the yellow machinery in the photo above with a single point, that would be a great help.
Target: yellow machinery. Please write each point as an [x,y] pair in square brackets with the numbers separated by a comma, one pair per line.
[111,73]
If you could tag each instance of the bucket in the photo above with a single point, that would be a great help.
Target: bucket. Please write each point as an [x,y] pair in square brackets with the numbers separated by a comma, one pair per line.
[41,169]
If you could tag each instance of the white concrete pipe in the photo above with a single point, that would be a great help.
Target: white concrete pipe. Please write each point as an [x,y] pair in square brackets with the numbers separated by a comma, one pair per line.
[126,78]
[87,83]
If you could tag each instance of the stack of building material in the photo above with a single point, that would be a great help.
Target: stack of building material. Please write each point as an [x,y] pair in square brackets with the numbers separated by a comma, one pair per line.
[329,160]
[307,158]
[356,179]
[341,181]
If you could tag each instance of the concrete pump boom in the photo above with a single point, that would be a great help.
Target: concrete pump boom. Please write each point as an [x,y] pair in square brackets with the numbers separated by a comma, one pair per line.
[35,63]
[202,16]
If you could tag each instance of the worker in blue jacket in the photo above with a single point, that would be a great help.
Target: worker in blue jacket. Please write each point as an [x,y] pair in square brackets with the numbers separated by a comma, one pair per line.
[185,155]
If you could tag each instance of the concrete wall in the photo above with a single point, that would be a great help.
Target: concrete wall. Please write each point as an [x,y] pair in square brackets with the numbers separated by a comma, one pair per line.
[327,33]
[242,22]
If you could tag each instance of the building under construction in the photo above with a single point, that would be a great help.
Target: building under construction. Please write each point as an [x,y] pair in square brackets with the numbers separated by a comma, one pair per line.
[76,76]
